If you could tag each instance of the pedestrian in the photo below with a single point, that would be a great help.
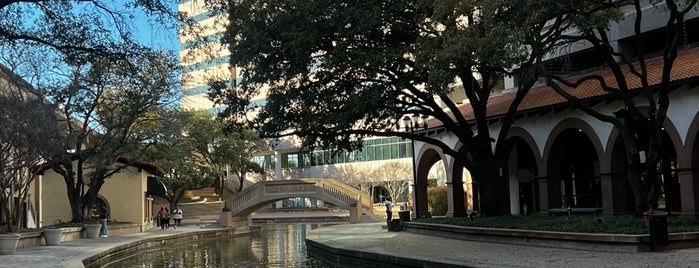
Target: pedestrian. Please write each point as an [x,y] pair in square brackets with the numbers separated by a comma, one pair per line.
[162,215]
[104,215]
[167,222]
[177,215]
[389,209]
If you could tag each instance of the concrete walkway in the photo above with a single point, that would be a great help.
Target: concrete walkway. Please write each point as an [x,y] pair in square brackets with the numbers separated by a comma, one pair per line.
[357,240]
[372,239]
[71,253]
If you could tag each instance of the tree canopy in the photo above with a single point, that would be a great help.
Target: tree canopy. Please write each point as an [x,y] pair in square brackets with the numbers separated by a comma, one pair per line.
[79,29]
[29,136]
[85,58]
[335,72]
[103,103]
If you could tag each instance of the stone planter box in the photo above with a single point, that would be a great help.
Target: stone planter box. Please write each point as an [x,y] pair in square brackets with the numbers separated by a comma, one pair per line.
[8,243]
[52,237]
[92,230]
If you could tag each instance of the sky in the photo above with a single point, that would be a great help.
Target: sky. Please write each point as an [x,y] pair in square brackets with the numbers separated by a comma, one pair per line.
[148,32]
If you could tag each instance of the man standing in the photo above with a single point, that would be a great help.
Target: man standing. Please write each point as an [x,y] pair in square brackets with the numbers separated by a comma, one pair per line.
[177,215]
[389,209]
[104,216]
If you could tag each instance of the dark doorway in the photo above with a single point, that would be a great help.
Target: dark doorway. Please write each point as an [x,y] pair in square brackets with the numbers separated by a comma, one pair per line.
[573,171]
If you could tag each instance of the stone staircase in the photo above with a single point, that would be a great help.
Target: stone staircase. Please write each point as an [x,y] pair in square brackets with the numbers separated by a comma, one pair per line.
[201,212]
[201,195]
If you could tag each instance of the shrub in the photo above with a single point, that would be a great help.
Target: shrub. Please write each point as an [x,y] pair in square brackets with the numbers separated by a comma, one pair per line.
[437,200]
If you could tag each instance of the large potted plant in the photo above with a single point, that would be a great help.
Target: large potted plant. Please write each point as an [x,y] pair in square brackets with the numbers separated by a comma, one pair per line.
[28,138]
[92,230]
[52,236]
[8,243]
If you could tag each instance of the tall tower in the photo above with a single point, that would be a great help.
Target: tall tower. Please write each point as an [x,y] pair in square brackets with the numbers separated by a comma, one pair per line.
[202,56]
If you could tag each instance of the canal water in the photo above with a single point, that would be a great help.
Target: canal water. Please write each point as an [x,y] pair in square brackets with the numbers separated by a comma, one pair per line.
[269,245]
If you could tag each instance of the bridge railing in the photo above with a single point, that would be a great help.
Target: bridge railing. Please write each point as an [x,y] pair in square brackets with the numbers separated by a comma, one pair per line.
[343,192]
[248,195]
[330,190]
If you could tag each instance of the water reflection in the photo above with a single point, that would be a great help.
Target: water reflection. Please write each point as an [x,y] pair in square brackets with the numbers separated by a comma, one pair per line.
[269,245]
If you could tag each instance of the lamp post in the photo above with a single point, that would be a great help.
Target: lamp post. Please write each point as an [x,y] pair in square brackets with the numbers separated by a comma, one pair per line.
[412,124]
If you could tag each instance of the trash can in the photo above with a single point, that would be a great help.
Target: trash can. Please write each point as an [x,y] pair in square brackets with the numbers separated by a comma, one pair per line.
[394,225]
[657,228]
[404,215]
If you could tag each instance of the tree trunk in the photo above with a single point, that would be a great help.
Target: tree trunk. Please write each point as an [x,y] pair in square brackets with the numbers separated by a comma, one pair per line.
[633,171]
[7,214]
[88,199]
[492,189]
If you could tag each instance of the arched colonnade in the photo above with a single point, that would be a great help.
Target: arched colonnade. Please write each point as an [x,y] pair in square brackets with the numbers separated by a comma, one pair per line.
[560,159]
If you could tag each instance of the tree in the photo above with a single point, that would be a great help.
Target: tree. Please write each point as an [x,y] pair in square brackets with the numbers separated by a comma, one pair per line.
[29,136]
[174,151]
[394,176]
[79,29]
[104,102]
[337,71]
[640,130]
[225,148]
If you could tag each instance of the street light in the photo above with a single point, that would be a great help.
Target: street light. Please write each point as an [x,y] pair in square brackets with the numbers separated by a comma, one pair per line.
[412,124]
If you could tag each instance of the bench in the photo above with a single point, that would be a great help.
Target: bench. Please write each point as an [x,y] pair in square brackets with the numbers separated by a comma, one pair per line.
[575,211]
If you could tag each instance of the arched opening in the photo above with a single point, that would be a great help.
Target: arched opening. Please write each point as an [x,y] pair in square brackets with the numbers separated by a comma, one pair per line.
[670,196]
[430,172]
[669,192]
[521,170]
[622,201]
[573,171]
[692,193]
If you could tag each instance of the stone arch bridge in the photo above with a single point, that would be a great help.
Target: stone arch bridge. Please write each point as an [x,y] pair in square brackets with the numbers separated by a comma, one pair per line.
[263,193]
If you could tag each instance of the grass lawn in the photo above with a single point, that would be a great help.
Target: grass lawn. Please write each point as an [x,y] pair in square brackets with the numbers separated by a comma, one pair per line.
[581,224]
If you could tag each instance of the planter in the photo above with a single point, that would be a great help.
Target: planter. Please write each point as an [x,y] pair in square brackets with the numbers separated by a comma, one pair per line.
[52,237]
[8,243]
[92,230]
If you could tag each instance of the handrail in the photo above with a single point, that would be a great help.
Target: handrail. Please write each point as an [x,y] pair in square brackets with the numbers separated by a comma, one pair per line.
[331,190]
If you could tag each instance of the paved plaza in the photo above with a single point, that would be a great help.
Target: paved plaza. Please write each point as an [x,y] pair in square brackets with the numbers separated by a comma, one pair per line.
[374,238]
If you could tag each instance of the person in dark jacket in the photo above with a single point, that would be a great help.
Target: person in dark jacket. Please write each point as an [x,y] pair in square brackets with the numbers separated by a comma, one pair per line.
[103,217]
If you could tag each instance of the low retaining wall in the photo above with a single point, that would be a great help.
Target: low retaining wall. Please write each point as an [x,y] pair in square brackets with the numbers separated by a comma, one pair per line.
[581,241]
[33,239]
[344,258]
[122,251]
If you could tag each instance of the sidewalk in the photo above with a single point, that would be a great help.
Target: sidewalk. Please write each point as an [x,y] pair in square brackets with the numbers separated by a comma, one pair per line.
[71,253]
[371,240]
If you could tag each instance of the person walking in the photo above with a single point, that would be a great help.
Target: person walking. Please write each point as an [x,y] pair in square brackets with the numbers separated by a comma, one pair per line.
[389,209]
[162,215]
[167,220]
[177,215]
[103,217]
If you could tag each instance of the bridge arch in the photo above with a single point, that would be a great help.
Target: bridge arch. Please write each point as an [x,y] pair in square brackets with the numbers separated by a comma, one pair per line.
[263,193]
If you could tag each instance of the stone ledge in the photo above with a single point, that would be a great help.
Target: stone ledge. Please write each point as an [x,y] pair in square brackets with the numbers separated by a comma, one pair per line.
[582,241]
[33,239]
[128,249]
[345,258]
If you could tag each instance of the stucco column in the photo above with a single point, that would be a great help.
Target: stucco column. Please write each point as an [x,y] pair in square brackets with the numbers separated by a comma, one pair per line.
[688,190]
[514,196]
[614,199]
[455,199]
[543,194]
[420,200]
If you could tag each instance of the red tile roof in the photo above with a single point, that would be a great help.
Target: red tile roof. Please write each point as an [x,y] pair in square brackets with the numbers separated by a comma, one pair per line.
[685,67]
